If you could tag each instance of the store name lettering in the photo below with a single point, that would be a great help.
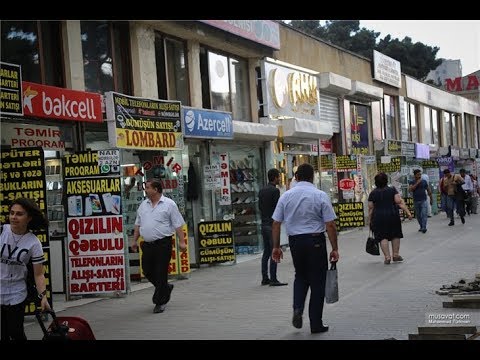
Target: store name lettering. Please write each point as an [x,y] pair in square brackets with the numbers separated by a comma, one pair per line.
[300,87]
[455,84]
[149,139]
[68,108]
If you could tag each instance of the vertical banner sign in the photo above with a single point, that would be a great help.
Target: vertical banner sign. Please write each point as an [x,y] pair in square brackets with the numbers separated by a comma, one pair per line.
[216,242]
[96,248]
[10,89]
[359,128]
[138,123]
[225,194]
[23,175]
[349,215]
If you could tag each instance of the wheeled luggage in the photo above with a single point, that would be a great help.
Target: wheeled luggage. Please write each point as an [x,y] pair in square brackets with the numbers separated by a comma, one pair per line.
[65,328]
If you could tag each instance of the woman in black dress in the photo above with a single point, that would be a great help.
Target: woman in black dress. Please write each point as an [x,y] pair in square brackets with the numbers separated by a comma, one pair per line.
[383,205]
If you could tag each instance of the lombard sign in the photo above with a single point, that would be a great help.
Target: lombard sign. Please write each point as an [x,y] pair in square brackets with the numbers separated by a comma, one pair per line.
[201,123]
[59,103]
[264,32]
[290,92]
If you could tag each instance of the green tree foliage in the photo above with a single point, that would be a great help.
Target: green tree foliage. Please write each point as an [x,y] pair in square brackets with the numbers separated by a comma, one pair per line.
[416,59]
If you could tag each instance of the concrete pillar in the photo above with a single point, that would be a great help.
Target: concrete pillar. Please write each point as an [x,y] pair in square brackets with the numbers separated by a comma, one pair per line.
[421,124]
[73,55]
[144,70]
[195,80]
[252,81]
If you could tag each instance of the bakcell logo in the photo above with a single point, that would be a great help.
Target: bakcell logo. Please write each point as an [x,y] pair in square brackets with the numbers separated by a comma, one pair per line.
[190,120]
[58,103]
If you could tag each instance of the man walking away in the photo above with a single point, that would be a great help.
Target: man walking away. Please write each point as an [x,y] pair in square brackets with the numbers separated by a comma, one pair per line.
[451,182]
[468,188]
[158,218]
[420,188]
[267,201]
[307,213]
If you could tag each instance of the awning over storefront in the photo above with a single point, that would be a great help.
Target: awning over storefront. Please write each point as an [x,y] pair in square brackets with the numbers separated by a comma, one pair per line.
[298,130]
[365,92]
[334,83]
[254,131]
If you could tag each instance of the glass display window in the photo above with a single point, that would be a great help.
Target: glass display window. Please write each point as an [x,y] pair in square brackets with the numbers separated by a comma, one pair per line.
[239,202]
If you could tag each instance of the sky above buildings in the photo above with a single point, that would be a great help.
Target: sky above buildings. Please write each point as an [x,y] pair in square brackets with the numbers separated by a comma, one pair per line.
[457,39]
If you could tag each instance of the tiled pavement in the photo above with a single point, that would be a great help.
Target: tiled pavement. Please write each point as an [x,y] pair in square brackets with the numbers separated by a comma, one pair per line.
[225,302]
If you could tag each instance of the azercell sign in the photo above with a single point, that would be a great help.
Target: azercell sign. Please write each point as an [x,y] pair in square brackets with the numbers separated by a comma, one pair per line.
[207,124]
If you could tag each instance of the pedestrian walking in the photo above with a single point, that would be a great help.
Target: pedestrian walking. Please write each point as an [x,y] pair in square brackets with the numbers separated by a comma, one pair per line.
[18,246]
[475,193]
[384,217]
[267,201]
[456,196]
[307,213]
[419,188]
[158,218]
[468,189]
[428,203]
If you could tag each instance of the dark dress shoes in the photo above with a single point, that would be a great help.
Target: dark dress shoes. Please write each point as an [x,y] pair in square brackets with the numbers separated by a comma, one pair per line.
[266,282]
[322,329]
[297,320]
[159,308]
[277,283]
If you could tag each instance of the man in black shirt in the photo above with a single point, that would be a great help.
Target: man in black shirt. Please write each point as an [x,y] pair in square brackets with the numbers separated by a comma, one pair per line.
[267,201]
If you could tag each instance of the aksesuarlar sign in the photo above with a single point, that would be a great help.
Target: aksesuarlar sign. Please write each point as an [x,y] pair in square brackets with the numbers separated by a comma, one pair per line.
[290,92]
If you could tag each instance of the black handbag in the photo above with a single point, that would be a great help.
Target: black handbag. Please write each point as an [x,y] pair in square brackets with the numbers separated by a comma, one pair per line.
[372,246]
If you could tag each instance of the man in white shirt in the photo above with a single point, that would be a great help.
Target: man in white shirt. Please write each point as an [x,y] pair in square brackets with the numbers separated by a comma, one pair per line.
[468,188]
[158,218]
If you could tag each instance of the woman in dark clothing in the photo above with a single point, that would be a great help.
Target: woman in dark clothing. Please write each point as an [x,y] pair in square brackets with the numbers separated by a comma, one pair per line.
[383,204]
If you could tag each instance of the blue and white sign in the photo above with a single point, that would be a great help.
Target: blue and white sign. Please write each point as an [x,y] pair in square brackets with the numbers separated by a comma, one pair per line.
[207,124]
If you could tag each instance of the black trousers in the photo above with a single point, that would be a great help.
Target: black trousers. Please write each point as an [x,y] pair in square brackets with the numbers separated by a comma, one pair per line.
[155,260]
[12,322]
[309,254]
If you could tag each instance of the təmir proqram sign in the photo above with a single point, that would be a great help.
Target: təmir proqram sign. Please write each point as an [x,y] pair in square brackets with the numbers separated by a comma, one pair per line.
[201,123]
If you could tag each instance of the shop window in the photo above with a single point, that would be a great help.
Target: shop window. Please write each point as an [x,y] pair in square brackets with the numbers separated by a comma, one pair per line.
[427,125]
[172,73]
[389,118]
[245,178]
[105,56]
[454,124]
[225,84]
[435,127]
[411,121]
[35,46]
[447,126]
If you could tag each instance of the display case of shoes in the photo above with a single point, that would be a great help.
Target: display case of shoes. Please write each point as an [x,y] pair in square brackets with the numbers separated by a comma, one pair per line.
[244,189]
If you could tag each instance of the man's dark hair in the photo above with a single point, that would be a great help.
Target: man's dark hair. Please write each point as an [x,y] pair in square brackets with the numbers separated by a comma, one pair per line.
[462,170]
[381,180]
[305,172]
[272,174]
[446,171]
[416,171]
[156,183]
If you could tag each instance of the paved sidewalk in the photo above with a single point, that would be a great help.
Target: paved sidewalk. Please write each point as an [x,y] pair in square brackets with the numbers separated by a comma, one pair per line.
[223,302]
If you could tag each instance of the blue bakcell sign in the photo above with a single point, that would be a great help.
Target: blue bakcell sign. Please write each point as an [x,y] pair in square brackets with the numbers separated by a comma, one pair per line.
[201,123]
